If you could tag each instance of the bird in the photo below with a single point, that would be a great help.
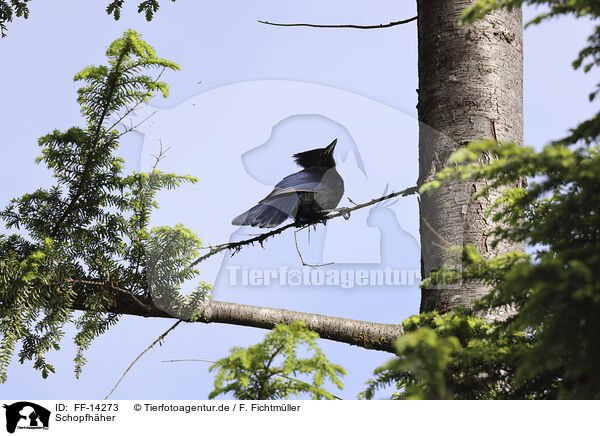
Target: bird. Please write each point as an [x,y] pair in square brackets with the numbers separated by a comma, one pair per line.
[305,196]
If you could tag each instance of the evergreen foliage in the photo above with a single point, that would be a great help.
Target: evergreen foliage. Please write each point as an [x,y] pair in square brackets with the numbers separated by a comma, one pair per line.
[20,8]
[147,7]
[459,356]
[271,369]
[549,344]
[10,9]
[87,239]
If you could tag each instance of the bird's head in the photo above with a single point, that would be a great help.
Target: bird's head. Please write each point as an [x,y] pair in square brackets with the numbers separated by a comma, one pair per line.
[319,157]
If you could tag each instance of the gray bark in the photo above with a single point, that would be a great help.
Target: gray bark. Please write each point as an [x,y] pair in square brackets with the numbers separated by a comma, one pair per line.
[470,88]
[370,335]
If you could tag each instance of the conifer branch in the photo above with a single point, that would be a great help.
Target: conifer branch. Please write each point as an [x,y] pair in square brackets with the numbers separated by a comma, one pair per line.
[112,286]
[96,138]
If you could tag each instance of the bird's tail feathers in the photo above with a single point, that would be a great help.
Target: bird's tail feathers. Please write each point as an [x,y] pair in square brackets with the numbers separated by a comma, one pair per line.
[261,215]
[270,212]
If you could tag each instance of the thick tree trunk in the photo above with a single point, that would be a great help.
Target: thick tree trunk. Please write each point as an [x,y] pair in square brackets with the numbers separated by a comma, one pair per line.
[470,88]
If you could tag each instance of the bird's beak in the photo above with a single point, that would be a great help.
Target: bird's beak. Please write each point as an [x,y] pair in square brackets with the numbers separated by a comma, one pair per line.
[331,146]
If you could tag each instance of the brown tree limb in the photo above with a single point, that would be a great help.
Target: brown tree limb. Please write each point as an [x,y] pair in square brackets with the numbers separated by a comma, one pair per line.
[370,335]
[338,26]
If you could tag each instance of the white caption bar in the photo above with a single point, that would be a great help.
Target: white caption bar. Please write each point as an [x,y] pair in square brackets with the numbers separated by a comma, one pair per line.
[22,417]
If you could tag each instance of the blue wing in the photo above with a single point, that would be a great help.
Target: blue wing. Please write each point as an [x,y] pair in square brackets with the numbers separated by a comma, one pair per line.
[309,180]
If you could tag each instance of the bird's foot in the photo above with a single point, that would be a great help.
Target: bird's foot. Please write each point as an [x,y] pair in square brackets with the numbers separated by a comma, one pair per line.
[314,220]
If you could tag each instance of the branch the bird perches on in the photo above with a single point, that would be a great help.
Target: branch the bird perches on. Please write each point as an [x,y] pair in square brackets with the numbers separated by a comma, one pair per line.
[344,211]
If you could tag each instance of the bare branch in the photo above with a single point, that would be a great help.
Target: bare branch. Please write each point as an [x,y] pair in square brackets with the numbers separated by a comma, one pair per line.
[338,26]
[160,338]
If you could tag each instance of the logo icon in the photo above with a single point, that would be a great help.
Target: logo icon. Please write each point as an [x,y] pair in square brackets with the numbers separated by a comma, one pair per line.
[26,415]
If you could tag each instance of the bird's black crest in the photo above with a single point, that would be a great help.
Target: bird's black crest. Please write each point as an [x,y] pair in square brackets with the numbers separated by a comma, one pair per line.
[319,157]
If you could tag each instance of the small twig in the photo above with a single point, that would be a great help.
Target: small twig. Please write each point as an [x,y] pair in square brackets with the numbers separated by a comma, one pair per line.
[338,26]
[160,338]
[133,127]
[161,155]
[133,108]
[352,201]
[300,254]
[188,360]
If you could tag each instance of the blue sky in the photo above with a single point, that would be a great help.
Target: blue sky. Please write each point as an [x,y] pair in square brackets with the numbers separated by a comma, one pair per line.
[250,93]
